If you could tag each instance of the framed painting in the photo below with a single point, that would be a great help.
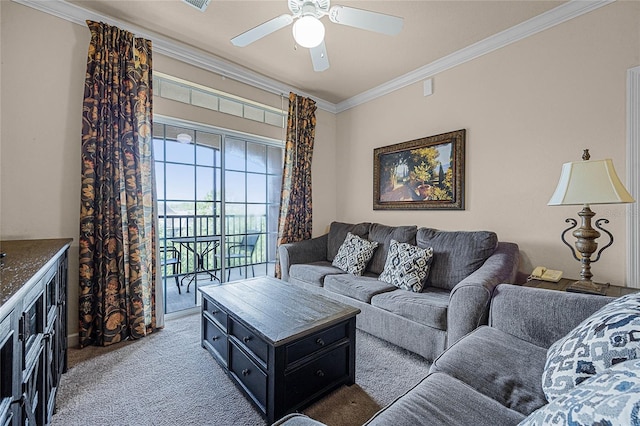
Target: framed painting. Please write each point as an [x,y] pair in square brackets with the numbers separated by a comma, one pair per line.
[422,174]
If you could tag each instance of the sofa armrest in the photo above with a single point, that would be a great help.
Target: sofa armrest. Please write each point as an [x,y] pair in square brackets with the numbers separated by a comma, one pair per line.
[470,298]
[540,316]
[305,251]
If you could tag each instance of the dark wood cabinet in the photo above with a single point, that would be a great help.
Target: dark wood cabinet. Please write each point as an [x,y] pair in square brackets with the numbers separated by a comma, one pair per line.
[8,337]
[33,328]
[283,346]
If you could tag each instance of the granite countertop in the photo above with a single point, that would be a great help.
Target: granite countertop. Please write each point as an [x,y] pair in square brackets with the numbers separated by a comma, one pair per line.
[24,261]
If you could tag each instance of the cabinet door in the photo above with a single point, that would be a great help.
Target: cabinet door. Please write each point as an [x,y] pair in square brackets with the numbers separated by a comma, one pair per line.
[50,373]
[33,395]
[60,337]
[33,358]
[50,338]
[7,370]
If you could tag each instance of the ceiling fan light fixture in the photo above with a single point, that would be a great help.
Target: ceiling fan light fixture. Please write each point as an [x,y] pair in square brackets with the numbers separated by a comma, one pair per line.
[184,138]
[308,31]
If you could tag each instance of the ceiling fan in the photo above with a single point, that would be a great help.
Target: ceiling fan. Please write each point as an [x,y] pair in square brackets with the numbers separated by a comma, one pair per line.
[308,31]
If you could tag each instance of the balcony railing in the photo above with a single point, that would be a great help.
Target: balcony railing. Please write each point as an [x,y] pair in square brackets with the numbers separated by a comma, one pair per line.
[236,227]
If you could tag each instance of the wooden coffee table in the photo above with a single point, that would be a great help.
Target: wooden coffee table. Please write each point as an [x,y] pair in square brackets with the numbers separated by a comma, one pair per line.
[284,346]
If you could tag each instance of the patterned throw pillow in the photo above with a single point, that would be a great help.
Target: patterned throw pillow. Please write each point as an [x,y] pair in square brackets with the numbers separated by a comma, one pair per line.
[407,266]
[610,398]
[354,254]
[609,336]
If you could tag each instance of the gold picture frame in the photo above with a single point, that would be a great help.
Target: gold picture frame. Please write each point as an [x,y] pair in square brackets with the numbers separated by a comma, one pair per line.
[422,174]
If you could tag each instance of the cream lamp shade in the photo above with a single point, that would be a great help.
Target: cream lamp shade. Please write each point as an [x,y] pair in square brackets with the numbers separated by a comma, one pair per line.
[589,182]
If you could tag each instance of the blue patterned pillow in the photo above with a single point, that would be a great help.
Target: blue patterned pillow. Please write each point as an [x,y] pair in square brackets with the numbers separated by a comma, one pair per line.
[610,398]
[407,266]
[354,254]
[609,336]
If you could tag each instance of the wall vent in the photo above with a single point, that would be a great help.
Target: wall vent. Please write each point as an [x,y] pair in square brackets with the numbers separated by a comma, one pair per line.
[201,5]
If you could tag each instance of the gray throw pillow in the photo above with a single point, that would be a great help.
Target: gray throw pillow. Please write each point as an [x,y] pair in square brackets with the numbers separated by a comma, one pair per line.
[354,254]
[383,234]
[407,266]
[456,254]
[338,232]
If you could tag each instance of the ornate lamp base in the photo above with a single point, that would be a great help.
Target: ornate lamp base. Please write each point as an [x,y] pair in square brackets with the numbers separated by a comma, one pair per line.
[588,287]
[586,245]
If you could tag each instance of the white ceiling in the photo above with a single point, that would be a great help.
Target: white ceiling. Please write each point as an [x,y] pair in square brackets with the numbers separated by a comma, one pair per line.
[360,60]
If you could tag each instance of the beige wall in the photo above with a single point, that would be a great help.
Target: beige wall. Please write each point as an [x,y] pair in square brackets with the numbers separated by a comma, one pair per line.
[527,108]
[43,67]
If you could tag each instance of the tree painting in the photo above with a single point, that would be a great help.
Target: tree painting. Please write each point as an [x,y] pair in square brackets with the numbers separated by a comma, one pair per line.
[420,174]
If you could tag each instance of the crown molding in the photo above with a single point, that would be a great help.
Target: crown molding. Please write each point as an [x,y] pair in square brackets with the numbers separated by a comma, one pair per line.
[209,62]
[174,49]
[539,23]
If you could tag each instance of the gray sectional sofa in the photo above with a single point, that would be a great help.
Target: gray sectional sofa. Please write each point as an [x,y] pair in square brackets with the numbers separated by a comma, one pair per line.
[499,374]
[466,267]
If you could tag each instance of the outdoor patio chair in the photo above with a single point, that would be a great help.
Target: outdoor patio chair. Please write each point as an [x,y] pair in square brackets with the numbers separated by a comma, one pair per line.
[170,257]
[242,251]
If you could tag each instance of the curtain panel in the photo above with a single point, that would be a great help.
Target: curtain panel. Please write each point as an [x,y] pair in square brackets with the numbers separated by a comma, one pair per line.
[295,218]
[117,229]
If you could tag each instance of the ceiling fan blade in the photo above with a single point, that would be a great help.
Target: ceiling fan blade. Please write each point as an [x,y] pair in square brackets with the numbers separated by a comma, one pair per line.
[366,20]
[319,57]
[262,30]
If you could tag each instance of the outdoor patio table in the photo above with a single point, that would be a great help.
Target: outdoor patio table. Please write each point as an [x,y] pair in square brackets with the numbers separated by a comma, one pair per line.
[207,244]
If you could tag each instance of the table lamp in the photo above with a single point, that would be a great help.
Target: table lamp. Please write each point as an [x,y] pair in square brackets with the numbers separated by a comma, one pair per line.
[584,183]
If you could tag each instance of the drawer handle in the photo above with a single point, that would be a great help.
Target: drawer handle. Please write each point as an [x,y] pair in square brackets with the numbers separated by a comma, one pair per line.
[320,342]
[213,312]
[214,338]
[246,372]
[320,373]
[246,339]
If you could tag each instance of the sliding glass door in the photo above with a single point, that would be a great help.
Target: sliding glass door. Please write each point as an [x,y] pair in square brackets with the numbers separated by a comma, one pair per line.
[218,201]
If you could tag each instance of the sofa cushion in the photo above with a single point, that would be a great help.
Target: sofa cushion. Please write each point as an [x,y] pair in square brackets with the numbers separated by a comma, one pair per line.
[407,266]
[354,254]
[338,232]
[356,287]
[383,234]
[609,398]
[297,419]
[313,273]
[440,399]
[498,365]
[456,254]
[428,308]
[609,336]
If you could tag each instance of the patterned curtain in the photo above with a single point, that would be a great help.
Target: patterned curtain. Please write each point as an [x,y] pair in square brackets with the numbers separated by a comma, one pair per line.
[294,222]
[117,230]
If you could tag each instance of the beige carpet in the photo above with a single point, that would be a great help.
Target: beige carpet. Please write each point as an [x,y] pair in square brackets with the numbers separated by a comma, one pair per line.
[168,379]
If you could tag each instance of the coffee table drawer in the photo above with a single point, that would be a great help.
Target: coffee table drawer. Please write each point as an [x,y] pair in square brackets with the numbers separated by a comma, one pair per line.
[314,377]
[250,340]
[250,375]
[216,340]
[316,341]
[215,313]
